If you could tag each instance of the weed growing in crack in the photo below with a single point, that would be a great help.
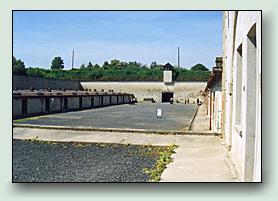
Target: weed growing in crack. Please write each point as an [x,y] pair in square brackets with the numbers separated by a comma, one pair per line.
[164,159]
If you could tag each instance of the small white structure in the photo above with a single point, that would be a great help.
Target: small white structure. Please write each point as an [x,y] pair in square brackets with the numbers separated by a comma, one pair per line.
[167,73]
[242,91]
[167,76]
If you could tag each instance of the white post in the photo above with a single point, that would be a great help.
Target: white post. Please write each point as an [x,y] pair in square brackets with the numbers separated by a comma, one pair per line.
[159,113]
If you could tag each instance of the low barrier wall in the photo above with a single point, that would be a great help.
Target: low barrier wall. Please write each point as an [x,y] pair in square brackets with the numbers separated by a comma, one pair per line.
[36,103]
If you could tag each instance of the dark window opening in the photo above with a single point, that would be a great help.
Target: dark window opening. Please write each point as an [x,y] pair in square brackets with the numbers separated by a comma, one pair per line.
[252,35]
[80,102]
[65,103]
[24,106]
[101,101]
[166,96]
[47,105]
[92,101]
[61,104]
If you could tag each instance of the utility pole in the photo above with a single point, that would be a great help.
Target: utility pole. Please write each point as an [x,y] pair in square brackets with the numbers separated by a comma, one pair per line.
[178,57]
[72,59]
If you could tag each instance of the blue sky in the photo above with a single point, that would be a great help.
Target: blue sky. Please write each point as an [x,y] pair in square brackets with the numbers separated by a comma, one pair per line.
[97,36]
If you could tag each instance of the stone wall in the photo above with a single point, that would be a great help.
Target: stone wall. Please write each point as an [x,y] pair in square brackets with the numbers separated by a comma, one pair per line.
[26,82]
[182,90]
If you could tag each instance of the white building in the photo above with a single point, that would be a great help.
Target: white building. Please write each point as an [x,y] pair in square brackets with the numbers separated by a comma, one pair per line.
[213,93]
[241,87]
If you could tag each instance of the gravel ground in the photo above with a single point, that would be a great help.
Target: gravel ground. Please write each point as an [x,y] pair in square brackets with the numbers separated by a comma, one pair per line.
[140,116]
[66,162]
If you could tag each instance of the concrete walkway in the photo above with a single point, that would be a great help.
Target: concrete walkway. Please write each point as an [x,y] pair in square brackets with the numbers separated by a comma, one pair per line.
[201,121]
[197,159]
[200,159]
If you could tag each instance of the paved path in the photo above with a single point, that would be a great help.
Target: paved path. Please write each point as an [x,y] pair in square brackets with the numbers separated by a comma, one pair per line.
[198,158]
[201,121]
[139,116]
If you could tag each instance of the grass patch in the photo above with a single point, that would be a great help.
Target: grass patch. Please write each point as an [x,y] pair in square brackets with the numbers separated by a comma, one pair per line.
[80,145]
[147,151]
[36,139]
[164,159]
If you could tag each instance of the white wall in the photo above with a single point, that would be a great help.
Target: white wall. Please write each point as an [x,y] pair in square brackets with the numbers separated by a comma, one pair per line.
[217,111]
[214,100]
[228,32]
[257,170]
[242,120]
[154,90]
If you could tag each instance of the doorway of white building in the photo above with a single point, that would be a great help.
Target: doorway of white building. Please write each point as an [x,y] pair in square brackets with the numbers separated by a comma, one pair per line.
[166,96]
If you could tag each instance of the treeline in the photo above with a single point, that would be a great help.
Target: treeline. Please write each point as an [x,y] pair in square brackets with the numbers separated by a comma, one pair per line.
[114,70]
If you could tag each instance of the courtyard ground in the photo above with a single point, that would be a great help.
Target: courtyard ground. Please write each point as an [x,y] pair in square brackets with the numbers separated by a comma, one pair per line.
[200,157]
[139,116]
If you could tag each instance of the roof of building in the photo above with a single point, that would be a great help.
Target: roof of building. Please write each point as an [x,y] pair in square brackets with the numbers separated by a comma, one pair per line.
[168,66]
[215,75]
[61,93]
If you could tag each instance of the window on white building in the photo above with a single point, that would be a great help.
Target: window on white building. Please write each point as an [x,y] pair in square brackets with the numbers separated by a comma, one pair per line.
[252,38]
[238,84]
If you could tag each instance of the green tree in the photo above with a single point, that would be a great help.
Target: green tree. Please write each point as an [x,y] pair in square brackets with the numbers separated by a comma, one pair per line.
[133,64]
[153,65]
[90,65]
[105,65]
[175,73]
[57,63]
[131,71]
[199,67]
[115,63]
[96,66]
[82,66]
[18,67]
